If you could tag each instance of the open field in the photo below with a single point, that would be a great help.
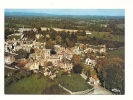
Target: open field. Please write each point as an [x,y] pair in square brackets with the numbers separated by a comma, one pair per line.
[117,53]
[29,85]
[21,25]
[74,83]
[59,29]
[107,36]
[104,36]
[42,40]
[14,36]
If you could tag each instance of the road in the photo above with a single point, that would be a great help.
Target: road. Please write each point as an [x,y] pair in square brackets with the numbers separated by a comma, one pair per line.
[10,67]
[98,90]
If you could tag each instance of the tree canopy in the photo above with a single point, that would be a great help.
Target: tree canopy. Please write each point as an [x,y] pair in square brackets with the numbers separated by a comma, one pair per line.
[75,59]
[77,68]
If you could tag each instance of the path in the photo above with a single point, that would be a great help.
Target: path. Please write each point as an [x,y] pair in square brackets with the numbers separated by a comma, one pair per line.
[101,91]
[10,67]
[97,88]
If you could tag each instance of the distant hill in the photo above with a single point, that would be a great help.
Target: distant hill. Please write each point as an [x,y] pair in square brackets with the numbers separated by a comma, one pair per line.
[26,14]
[46,14]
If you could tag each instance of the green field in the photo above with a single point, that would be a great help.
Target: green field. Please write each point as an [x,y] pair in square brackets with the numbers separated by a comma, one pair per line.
[6,70]
[14,36]
[21,25]
[29,85]
[117,53]
[42,40]
[74,83]
[105,36]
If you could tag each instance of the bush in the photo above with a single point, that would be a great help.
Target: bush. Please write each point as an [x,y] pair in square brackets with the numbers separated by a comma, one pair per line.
[77,69]
[64,73]
[54,89]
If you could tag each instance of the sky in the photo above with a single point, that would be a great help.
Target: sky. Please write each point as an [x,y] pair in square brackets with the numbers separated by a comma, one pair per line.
[105,12]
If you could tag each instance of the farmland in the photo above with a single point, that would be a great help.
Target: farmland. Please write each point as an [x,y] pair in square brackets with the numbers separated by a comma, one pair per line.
[104,36]
[117,53]
[14,36]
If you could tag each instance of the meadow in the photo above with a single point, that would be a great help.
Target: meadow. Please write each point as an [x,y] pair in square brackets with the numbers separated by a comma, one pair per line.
[74,82]
[117,53]
[29,85]
[104,36]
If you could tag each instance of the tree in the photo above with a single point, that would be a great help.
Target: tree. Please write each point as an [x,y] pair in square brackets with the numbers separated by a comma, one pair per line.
[58,40]
[49,44]
[77,68]
[111,73]
[83,33]
[75,59]
[39,29]
[32,50]
[21,54]
[114,77]
[68,42]
[88,74]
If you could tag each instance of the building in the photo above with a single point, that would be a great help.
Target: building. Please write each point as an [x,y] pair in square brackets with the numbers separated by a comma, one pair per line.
[88,61]
[9,59]
[94,80]
[21,63]
[88,32]
[32,65]
[66,65]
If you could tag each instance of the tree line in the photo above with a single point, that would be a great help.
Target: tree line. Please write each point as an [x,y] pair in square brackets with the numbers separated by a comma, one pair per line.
[111,73]
[68,22]
[99,41]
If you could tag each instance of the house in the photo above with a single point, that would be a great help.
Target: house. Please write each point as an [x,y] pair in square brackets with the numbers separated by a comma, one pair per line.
[102,50]
[66,66]
[53,76]
[46,73]
[54,59]
[104,25]
[88,32]
[9,59]
[39,36]
[94,80]
[88,61]
[21,63]
[32,65]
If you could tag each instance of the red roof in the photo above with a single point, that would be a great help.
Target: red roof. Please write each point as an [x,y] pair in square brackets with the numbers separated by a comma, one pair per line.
[95,77]
[22,63]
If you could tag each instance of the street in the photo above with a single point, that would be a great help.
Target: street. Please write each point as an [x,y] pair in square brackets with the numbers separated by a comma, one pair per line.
[10,67]
[100,91]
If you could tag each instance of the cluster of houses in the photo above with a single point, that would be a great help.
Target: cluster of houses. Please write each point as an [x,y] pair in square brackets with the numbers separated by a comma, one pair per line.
[41,56]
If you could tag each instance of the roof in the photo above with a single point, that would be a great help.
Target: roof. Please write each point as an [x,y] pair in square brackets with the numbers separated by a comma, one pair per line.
[95,77]
[22,63]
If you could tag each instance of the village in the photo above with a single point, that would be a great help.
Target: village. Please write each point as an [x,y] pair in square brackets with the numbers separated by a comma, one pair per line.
[50,63]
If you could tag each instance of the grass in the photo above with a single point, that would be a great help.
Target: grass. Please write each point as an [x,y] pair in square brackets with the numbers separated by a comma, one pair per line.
[105,36]
[29,85]
[6,70]
[21,25]
[74,83]
[42,40]
[14,36]
[117,53]
[88,67]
